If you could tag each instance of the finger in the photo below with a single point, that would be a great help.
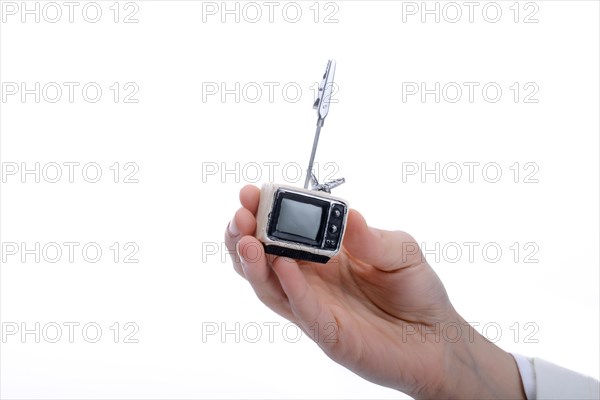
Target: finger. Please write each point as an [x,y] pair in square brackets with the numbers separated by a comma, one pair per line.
[313,316]
[249,197]
[242,224]
[385,250]
[261,277]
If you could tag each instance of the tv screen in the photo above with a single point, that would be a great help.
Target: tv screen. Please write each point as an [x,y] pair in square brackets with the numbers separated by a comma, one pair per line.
[300,219]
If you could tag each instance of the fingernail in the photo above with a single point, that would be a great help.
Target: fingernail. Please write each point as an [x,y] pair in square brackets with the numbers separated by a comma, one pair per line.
[239,253]
[233,229]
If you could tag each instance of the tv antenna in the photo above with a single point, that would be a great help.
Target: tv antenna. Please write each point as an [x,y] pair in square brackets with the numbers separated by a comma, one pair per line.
[322,106]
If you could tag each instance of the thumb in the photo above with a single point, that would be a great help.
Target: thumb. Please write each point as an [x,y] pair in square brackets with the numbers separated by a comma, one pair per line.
[385,250]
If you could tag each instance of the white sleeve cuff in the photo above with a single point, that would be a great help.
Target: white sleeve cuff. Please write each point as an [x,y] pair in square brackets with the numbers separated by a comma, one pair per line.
[527,373]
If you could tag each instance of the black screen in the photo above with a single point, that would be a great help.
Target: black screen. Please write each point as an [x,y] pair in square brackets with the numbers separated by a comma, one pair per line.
[301,219]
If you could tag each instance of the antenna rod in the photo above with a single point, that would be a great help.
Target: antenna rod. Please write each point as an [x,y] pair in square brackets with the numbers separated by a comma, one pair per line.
[312,154]
[322,107]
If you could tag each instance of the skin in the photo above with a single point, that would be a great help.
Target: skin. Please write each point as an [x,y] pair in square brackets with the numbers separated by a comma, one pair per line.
[378,309]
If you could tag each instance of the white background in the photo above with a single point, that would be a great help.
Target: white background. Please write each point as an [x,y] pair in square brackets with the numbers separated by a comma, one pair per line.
[177,212]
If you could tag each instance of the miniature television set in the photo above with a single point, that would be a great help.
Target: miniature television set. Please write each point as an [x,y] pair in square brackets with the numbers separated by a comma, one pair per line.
[302,223]
[299,223]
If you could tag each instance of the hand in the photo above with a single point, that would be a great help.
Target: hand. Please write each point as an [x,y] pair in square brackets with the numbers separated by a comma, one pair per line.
[378,309]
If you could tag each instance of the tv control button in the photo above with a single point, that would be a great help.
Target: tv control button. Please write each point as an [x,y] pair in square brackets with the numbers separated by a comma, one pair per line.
[333,228]
[331,243]
[337,213]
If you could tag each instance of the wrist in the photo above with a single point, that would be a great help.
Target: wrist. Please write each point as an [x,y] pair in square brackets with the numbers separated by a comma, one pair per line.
[475,368]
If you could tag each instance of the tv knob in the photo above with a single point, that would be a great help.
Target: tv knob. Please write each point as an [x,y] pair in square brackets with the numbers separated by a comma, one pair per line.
[337,213]
[333,228]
